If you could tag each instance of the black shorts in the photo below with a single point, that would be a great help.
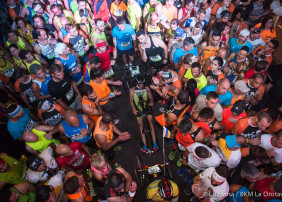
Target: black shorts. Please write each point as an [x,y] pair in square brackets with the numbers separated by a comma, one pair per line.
[147,111]
[129,52]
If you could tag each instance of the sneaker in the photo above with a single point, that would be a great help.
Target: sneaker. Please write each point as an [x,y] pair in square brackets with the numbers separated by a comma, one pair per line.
[189,178]
[181,171]
[145,150]
[171,155]
[179,162]
[155,147]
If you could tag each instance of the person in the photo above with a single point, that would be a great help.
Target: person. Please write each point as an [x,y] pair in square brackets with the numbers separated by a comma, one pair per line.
[169,10]
[221,6]
[163,189]
[69,62]
[237,43]
[195,73]
[152,49]
[268,32]
[123,36]
[176,40]
[90,103]
[255,39]
[117,9]
[49,28]
[29,59]
[200,17]
[252,127]
[100,9]
[260,67]
[39,138]
[119,186]
[14,50]
[83,17]
[256,11]
[239,23]
[25,30]
[74,156]
[99,32]
[19,192]
[197,33]
[188,60]
[211,180]
[76,127]
[214,74]
[222,89]
[148,9]
[12,171]
[141,101]
[186,12]
[99,167]
[239,91]
[63,89]
[232,114]
[94,62]
[270,185]
[20,120]
[134,14]
[240,57]
[22,43]
[222,52]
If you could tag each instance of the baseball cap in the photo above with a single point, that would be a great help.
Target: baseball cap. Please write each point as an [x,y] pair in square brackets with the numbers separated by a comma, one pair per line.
[245,33]
[238,107]
[231,141]
[242,86]
[179,32]
[34,68]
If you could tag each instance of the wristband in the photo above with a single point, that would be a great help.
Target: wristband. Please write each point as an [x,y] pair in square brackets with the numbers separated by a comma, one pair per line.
[247,140]
[112,95]
[131,194]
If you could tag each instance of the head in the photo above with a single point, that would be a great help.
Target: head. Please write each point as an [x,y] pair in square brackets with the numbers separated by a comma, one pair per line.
[196,69]
[95,62]
[250,172]
[223,86]
[189,4]
[38,22]
[278,138]
[140,81]
[241,87]
[226,3]
[216,64]
[97,74]
[179,34]
[174,24]
[153,3]
[64,150]
[64,21]
[188,44]
[240,67]
[278,185]
[243,52]
[81,4]
[271,46]
[4,166]
[201,152]
[12,36]
[61,49]
[37,71]
[29,136]
[101,46]
[165,189]
[222,52]
[56,72]
[141,36]
[267,23]
[154,19]
[38,8]
[71,29]
[201,15]
[255,34]
[206,114]
[108,117]
[116,182]
[211,99]
[121,23]
[219,176]
[261,66]
[100,24]
[258,153]
[169,3]
[225,16]
[257,80]
[8,195]
[20,75]
[197,29]
[35,163]
[189,59]
[98,161]
[243,36]
[42,34]
[71,118]
[4,98]
[45,193]
[238,108]
[182,97]
[185,126]
[15,111]
[88,92]
[26,56]
[263,120]
[20,22]
[72,184]
[216,36]
[44,105]
[56,9]
[14,50]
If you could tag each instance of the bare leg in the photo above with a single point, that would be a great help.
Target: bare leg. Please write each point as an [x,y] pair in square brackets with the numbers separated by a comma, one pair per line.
[151,124]
[131,59]
[140,124]
[124,58]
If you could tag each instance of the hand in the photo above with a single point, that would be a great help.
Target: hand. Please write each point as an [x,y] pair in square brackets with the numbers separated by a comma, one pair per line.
[117,83]
[125,133]
[133,187]
[48,136]
[77,70]
[156,80]
[212,81]
[258,92]
[254,141]
[122,138]
[215,143]
[184,161]
[79,97]
[259,53]
[271,153]
[117,92]
[233,65]
[165,91]
[134,111]
[151,104]
[86,48]
[165,61]
[84,132]
[113,62]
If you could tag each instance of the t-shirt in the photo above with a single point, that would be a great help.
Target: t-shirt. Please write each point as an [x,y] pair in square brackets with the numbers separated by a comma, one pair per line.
[62,90]
[222,99]
[26,88]
[265,142]
[180,52]
[192,21]
[227,116]
[77,43]
[25,123]
[256,43]
[202,80]
[250,73]
[263,186]
[218,8]
[201,164]
[134,11]
[124,38]
[235,47]
[78,161]
[105,57]
[201,103]
[267,58]
[243,127]
[266,35]
[118,10]
[219,192]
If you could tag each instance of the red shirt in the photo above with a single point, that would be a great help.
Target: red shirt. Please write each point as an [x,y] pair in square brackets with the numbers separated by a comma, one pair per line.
[105,58]
[249,74]
[227,113]
[79,160]
[263,186]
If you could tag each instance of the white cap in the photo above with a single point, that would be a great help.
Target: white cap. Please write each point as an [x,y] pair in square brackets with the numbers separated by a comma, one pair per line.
[59,48]
[245,33]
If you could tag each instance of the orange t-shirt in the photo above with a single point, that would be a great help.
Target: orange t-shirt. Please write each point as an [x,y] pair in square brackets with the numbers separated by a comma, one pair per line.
[219,5]
[182,71]
[118,10]
[266,35]
[92,104]
[109,133]
[169,13]
[275,126]
[244,128]
[226,115]
[235,99]
[267,58]
[102,90]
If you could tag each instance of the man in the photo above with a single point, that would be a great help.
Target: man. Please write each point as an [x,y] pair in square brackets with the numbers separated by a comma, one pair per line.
[100,9]
[176,42]
[152,49]
[76,127]
[42,45]
[49,28]
[169,10]
[74,156]
[260,67]
[188,47]
[90,103]
[28,59]
[134,14]
[141,102]
[118,9]
[195,73]
[237,43]
[38,10]
[39,138]
[200,17]
[252,127]
[222,89]
[222,52]
[197,33]
[119,186]
[63,89]
[27,10]
[78,41]
[212,180]
[69,62]
[12,171]
[123,35]
[255,39]
[99,32]
[148,9]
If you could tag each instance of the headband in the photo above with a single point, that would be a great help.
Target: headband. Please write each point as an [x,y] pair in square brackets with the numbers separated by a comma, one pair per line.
[59,48]
[217,177]
[16,112]
[101,44]
[35,164]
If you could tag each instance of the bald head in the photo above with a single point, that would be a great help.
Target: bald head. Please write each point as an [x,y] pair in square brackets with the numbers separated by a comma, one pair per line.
[153,16]
[29,136]
[63,149]
[223,86]
[71,118]
[241,140]
[222,52]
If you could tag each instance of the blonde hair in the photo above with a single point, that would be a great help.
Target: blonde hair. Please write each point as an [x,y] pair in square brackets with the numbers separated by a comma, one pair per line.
[242,66]
[96,159]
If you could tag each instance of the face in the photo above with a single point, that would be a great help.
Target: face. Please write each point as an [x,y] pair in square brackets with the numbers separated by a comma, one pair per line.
[195,72]
[226,3]
[102,49]
[14,51]
[40,11]
[221,53]
[29,57]
[256,83]
[42,167]
[225,19]
[142,39]
[121,26]
[201,16]
[196,31]
[101,26]
[173,27]
[101,78]
[223,88]
[38,22]
[69,152]
[169,2]
[154,20]
[82,5]
[56,10]
[153,3]
[256,36]
[59,75]
[12,37]
[211,103]
[278,142]
[214,65]
[226,30]
[92,96]
[40,74]
[73,32]
[66,51]
[263,124]
[215,40]
[242,54]
[242,39]
[269,23]
[190,6]
[188,47]
[73,121]
[43,35]
[20,23]
[4,167]
[269,47]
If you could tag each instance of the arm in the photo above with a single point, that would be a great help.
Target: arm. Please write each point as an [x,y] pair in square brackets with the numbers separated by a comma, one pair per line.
[31,150]
[145,13]
[151,99]
[76,89]
[170,119]
[163,46]
[88,121]
[37,93]
[134,41]
[128,178]
[102,140]
[60,102]
[231,56]
[92,111]
[142,53]
[29,47]
[86,150]
[131,93]
[62,134]
[201,48]
[37,49]
[43,61]
[24,98]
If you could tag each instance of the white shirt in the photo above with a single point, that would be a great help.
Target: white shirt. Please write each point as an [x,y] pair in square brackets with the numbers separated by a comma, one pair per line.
[219,192]
[256,43]
[201,103]
[233,160]
[202,164]
[265,140]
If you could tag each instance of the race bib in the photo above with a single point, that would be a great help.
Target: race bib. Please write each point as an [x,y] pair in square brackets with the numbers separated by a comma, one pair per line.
[118,12]
[69,94]
[125,44]
[156,58]
[109,73]
[9,72]
[77,136]
[79,161]
[29,125]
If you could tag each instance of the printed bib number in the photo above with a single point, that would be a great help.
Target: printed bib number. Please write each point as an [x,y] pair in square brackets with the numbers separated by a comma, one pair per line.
[9,72]
[125,44]
[118,12]
[69,94]
[109,73]
[155,58]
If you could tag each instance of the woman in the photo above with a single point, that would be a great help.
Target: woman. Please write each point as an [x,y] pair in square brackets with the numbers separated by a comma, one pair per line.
[99,167]
[14,50]
[25,30]
[268,32]
[240,57]
[235,72]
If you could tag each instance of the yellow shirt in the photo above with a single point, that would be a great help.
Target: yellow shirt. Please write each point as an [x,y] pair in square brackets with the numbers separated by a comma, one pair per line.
[202,80]
[152,191]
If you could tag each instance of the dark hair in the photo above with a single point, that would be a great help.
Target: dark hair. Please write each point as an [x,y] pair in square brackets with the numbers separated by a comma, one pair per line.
[174,21]
[188,41]
[216,33]
[206,113]
[274,113]
[98,20]
[23,53]
[53,6]
[220,26]
[20,19]
[108,117]
[261,65]
[5,195]
[244,14]
[201,10]
[54,68]
[250,170]
[86,90]
[11,108]
[245,48]
[13,46]
[264,115]
[115,180]
[278,185]
[225,13]
[219,61]
[191,87]
[202,152]
[37,16]
[222,171]
[95,60]
[69,27]
[185,125]
[196,65]
[120,21]
[258,76]
[189,1]
[258,152]
[140,32]
[278,134]
[212,95]
[199,25]
[96,73]
[275,43]
[264,21]
[3,96]
[30,160]
[182,97]
[43,193]
[19,73]
[71,185]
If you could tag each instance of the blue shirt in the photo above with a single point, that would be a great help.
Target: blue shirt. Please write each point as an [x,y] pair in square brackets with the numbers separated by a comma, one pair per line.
[222,99]
[235,46]
[179,53]
[124,38]
[17,129]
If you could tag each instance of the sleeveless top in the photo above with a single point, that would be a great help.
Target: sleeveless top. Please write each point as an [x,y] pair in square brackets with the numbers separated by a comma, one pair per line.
[85,192]
[27,35]
[101,90]
[6,68]
[46,50]
[235,59]
[184,13]
[108,133]
[43,85]
[17,61]
[29,17]
[209,52]
[154,31]
[102,36]
[140,98]
[187,139]
[58,21]
[73,5]
[74,132]
[92,104]
[104,172]
[155,54]
[20,44]
[179,113]
[35,61]
[15,11]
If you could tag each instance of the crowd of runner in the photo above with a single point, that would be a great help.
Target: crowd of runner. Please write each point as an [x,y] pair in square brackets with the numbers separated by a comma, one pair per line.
[207,85]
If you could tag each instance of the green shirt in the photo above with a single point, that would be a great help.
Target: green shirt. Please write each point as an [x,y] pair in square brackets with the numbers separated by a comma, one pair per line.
[134,11]
[202,80]
[30,197]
